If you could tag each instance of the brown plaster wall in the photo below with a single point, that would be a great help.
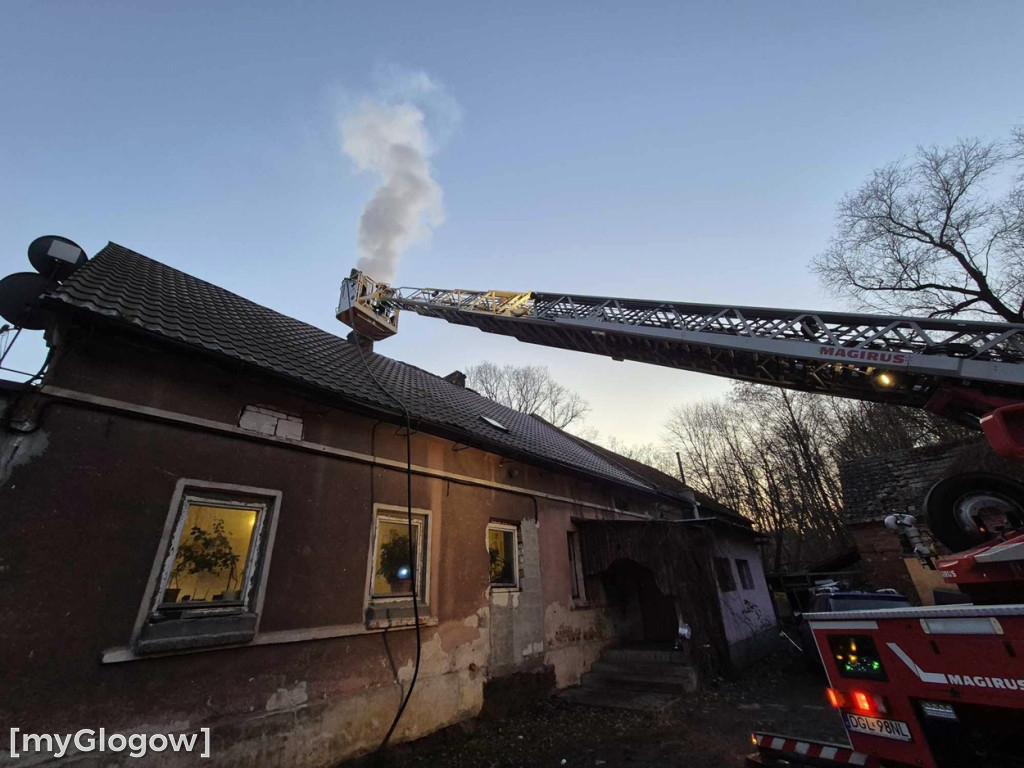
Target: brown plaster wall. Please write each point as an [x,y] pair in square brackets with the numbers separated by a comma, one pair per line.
[126,368]
[84,505]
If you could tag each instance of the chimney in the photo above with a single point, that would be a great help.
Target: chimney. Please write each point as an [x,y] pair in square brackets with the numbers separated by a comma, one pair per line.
[365,343]
[458,378]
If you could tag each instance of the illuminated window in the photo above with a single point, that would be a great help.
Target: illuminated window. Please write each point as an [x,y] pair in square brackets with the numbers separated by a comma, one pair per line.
[394,558]
[396,555]
[746,577]
[723,570]
[213,553]
[503,554]
[211,569]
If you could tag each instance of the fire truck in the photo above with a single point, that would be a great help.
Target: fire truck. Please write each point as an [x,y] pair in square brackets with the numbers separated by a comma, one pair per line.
[935,686]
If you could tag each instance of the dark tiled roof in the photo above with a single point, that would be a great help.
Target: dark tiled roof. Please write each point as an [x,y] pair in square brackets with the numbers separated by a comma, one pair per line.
[133,289]
[882,485]
[667,482]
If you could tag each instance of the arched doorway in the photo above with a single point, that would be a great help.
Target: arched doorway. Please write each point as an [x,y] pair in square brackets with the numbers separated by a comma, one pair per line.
[639,609]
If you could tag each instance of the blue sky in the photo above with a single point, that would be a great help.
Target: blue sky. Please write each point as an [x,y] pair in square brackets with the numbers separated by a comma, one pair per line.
[686,151]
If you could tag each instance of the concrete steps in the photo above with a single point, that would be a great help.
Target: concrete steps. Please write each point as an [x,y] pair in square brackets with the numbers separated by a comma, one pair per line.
[677,684]
[643,655]
[645,669]
[635,700]
[635,678]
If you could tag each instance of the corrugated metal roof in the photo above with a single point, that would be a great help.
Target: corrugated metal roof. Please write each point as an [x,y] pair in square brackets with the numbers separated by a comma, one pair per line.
[132,289]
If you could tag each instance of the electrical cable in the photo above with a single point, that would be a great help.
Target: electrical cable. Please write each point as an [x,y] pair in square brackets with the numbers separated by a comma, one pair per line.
[7,348]
[13,407]
[410,531]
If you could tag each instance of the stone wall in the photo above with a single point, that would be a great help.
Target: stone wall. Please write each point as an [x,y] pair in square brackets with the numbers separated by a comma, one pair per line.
[881,557]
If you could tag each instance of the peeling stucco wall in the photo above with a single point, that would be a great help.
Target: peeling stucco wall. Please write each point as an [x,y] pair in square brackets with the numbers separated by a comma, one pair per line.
[301,724]
[575,639]
[94,485]
[19,449]
[517,616]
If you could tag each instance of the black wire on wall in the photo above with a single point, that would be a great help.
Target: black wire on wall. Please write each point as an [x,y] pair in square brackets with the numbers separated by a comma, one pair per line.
[410,531]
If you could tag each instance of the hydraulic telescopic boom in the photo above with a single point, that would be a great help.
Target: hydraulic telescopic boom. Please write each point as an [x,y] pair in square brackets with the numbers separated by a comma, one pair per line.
[960,368]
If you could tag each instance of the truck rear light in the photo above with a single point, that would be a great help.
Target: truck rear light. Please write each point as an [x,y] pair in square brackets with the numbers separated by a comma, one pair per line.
[861,701]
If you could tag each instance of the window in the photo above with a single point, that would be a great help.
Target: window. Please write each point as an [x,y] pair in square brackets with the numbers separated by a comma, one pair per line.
[575,566]
[395,558]
[746,578]
[503,553]
[208,582]
[723,570]
[494,423]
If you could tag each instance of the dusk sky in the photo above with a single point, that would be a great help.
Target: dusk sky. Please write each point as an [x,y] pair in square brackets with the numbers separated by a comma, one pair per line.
[684,151]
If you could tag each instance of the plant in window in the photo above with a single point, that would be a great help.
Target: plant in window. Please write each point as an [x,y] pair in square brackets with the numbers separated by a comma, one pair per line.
[394,563]
[501,568]
[206,551]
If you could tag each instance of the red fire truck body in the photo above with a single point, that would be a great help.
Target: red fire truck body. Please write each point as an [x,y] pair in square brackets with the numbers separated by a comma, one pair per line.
[933,686]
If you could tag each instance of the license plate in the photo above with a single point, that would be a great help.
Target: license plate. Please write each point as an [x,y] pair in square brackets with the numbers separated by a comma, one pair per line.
[876,726]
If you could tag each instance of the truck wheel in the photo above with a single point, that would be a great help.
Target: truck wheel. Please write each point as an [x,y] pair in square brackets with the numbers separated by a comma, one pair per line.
[967,510]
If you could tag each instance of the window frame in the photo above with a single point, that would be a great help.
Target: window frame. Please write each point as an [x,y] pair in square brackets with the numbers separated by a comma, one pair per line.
[745,573]
[723,567]
[399,515]
[577,585]
[247,578]
[234,622]
[497,525]
[386,610]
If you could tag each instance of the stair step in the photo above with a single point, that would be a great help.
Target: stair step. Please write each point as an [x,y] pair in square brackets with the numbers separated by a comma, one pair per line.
[644,683]
[643,656]
[619,699]
[655,669]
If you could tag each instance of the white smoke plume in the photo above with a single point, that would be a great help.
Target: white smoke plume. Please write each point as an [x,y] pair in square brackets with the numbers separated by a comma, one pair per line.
[392,140]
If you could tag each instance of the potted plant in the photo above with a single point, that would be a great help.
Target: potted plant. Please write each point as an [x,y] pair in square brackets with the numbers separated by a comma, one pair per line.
[232,592]
[394,563]
[204,551]
[501,569]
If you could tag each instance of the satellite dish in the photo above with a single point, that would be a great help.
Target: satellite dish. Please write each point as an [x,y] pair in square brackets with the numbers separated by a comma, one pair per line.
[56,257]
[19,299]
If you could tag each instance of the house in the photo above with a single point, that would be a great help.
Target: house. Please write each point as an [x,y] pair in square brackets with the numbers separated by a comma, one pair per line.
[214,517]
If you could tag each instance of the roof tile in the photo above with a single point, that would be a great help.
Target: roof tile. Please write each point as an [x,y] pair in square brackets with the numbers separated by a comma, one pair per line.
[137,290]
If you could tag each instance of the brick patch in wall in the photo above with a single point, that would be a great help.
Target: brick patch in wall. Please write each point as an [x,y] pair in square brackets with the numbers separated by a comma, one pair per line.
[266,421]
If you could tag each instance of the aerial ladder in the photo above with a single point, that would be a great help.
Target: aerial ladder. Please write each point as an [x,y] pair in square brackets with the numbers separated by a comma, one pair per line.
[935,686]
[971,371]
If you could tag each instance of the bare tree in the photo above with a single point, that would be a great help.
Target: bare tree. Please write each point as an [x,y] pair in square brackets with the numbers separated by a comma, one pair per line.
[860,429]
[940,235]
[775,455]
[651,454]
[530,389]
